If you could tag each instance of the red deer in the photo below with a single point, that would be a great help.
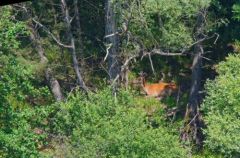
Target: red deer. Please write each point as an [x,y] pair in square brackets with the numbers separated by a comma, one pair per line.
[160,89]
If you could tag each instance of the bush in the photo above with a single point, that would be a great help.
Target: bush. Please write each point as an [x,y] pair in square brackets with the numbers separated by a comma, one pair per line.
[18,118]
[222,108]
[21,139]
[19,85]
[104,126]
[92,125]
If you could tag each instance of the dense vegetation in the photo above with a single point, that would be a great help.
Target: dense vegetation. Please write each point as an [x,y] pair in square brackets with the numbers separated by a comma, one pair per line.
[70,86]
[222,109]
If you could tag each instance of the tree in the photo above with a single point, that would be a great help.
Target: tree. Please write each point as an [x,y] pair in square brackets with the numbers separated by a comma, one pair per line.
[27,15]
[46,44]
[192,116]
[53,82]
[111,36]
[72,45]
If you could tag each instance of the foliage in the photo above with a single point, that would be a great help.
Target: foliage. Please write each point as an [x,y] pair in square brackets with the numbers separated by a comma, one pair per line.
[208,154]
[104,126]
[18,83]
[236,11]
[222,109]
[160,23]
[19,91]
[21,139]
[10,29]
[98,124]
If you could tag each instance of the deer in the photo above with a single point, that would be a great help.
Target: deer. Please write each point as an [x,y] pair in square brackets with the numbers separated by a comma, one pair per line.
[157,90]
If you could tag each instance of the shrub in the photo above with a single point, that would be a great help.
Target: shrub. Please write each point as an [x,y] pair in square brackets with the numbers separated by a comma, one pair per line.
[18,118]
[103,126]
[87,125]
[20,139]
[222,108]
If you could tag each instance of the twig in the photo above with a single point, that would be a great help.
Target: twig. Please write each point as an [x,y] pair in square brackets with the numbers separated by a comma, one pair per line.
[110,35]
[206,58]
[192,119]
[216,38]
[107,50]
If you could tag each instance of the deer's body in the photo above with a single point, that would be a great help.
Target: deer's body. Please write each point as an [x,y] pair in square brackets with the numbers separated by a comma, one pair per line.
[160,89]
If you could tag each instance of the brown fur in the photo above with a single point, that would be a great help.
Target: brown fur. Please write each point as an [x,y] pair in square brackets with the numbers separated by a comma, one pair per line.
[160,89]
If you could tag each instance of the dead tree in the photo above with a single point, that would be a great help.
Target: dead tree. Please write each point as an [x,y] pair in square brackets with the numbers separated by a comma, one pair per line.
[72,45]
[111,36]
[52,81]
[193,122]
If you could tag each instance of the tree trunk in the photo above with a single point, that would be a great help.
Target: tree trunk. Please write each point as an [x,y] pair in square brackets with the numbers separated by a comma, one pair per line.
[111,40]
[53,83]
[78,27]
[73,47]
[193,121]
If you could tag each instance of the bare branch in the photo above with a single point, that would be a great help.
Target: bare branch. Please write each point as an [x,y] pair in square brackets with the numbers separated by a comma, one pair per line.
[216,38]
[206,58]
[160,52]
[107,50]
[150,59]
[124,66]
[71,19]
[20,6]
[113,34]
[49,32]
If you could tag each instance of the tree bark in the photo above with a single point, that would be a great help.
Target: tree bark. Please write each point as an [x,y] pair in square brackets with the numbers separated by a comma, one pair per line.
[112,40]
[73,47]
[52,81]
[78,25]
[193,121]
